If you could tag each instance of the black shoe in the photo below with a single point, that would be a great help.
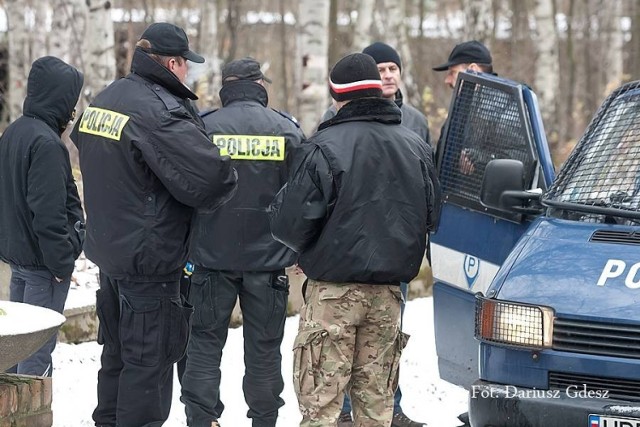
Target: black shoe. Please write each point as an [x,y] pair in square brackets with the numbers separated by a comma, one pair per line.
[345,420]
[401,420]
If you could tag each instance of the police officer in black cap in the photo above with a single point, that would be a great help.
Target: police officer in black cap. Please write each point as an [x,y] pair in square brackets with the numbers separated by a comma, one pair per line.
[470,55]
[146,164]
[235,255]
[474,56]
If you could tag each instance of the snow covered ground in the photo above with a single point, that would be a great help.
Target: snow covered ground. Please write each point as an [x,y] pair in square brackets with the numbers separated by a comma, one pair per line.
[426,398]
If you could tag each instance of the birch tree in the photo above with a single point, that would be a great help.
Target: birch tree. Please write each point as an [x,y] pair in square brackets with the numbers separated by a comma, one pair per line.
[614,42]
[392,19]
[100,59]
[18,53]
[313,44]
[208,85]
[478,25]
[362,33]
[546,81]
[67,31]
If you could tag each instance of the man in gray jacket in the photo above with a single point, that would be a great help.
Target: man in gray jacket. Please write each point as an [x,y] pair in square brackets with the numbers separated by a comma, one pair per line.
[390,68]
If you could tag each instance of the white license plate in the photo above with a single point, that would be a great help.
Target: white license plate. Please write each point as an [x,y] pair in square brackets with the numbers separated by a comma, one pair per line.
[607,421]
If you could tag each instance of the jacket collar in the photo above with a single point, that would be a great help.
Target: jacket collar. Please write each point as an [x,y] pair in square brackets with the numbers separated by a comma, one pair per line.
[366,109]
[243,90]
[398,100]
[144,66]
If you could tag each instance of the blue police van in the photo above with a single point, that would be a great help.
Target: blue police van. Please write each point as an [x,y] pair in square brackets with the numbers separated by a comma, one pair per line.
[537,276]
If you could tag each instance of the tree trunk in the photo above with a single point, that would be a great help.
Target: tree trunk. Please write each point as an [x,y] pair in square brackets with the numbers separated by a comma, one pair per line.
[313,21]
[395,34]
[547,64]
[39,37]
[208,85]
[568,121]
[18,56]
[612,74]
[334,48]
[284,57]
[100,59]
[362,33]
[478,20]
[68,31]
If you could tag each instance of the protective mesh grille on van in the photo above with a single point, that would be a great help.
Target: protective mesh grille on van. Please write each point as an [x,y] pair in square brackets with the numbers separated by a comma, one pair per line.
[604,168]
[487,121]
[618,388]
[608,339]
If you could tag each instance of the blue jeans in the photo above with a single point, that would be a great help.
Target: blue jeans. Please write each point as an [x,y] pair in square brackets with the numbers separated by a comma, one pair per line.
[346,405]
[38,287]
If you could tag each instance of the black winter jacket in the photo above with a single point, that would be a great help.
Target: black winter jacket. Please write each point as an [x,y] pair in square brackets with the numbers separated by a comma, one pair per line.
[359,207]
[39,202]
[262,144]
[411,118]
[146,163]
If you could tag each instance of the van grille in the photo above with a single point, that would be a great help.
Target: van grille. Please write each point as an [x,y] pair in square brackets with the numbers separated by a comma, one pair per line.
[610,236]
[596,338]
[618,388]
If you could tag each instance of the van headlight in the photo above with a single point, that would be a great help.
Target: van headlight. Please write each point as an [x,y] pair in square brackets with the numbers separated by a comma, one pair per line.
[513,323]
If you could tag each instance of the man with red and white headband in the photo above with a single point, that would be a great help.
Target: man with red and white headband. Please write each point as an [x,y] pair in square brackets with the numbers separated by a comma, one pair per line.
[358,212]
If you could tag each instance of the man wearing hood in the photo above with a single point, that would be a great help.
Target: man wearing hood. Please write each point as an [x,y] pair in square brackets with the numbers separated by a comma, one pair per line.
[146,163]
[40,211]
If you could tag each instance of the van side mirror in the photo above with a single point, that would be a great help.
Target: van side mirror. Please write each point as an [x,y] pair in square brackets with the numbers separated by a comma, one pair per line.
[503,188]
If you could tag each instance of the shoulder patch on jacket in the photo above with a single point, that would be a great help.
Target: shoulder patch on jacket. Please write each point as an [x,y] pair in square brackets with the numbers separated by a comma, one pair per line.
[169,101]
[204,114]
[104,123]
[288,117]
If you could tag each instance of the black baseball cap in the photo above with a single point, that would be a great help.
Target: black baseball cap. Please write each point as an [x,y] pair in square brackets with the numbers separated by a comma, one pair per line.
[169,40]
[467,53]
[243,69]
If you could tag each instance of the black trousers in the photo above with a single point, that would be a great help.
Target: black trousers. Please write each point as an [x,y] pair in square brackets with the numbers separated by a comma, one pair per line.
[144,327]
[263,300]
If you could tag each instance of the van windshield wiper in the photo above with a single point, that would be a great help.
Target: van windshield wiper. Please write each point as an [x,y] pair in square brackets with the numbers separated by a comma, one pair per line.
[595,206]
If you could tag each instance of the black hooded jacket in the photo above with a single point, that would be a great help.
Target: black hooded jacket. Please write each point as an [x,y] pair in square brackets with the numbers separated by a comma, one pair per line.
[358,208]
[262,143]
[146,163]
[39,202]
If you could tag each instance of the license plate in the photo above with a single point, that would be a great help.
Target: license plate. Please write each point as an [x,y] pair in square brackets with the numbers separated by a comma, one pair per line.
[608,421]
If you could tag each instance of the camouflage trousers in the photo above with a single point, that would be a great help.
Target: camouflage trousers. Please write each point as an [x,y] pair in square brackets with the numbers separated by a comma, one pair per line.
[349,340]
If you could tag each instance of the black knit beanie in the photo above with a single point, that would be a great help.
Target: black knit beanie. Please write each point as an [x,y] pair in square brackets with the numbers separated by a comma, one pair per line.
[355,76]
[382,52]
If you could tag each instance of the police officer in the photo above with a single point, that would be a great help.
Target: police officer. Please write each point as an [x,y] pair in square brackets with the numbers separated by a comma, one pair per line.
[234,254]
[39,203]
[146,163]
[357,211]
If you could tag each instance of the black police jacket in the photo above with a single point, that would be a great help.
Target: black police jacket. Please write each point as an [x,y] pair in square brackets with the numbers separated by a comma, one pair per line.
[146,163]
[39,202]
[262,144]
[359,208]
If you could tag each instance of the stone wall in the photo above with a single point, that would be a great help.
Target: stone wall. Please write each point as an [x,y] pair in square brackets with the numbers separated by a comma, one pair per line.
[25,401]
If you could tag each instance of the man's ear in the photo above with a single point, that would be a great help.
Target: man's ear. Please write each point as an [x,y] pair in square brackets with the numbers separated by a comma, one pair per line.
[474,67]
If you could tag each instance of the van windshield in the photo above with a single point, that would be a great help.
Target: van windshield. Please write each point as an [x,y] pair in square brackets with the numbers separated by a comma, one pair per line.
[604,169]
